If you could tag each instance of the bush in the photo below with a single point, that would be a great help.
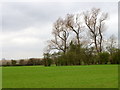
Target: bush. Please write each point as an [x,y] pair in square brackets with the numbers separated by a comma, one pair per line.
[103,57]
[13,62]
[47,60]
[115,58]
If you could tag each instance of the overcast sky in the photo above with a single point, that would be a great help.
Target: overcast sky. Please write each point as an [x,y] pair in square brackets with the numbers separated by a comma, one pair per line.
[27,26]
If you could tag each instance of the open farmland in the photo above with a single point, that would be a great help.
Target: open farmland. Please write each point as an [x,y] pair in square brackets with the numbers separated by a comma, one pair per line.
[92,76]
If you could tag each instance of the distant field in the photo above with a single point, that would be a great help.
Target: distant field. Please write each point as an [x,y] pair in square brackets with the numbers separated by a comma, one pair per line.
[92,76]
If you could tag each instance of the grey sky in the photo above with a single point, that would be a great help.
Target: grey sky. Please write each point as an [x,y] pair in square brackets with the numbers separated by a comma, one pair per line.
[27,26]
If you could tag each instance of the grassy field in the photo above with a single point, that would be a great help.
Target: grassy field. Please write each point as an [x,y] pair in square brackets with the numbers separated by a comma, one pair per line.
[93,76]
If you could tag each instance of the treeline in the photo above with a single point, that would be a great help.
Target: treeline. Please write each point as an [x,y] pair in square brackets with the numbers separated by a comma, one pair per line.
[82,56]
[22,62]
[74,56]
[79,39]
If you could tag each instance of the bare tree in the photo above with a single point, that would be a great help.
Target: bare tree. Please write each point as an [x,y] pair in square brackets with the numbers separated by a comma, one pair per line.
[61,35]
[94,21]
[73,23]
[111,44]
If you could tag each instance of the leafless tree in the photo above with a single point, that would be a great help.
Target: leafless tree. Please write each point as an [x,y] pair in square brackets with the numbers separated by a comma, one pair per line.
[73,23]
[112,42]
[61,34]
[94,21]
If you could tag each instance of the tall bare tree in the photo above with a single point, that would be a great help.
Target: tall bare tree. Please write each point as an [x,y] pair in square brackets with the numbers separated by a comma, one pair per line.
[73,23]
[94,21]
[61,34]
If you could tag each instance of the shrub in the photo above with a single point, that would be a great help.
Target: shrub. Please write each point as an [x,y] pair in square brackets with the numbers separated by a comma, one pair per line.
[103,57]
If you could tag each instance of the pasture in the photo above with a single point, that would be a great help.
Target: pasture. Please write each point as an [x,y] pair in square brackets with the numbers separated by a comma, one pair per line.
[85,76]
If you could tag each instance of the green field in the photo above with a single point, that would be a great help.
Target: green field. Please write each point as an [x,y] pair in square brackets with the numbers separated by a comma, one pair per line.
[92,76]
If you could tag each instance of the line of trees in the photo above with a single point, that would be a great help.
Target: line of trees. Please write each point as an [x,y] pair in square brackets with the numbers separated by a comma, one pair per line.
[79,40]
[23,62]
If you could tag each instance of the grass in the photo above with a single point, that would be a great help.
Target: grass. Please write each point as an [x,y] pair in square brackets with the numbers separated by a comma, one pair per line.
[92,76]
